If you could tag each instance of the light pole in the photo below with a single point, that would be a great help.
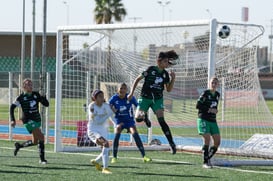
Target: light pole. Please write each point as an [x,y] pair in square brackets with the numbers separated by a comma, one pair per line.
[208,11]
[135,36]
[67,12]
[163,4]
[23,46]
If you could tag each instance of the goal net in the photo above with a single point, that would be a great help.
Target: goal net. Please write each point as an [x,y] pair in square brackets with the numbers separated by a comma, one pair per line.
[102,56]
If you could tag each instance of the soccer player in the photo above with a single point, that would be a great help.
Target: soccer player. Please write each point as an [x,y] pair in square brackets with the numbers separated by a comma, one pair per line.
[124,115]
[156,78]
[206,122]
[98,113]
[31,118]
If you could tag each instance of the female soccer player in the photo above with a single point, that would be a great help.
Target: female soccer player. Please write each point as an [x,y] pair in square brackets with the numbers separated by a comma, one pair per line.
[206,122]
[124,116]
[98,113]
[29,102]
[156,78]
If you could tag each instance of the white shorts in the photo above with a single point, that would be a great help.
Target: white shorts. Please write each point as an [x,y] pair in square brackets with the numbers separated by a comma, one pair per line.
[94,135]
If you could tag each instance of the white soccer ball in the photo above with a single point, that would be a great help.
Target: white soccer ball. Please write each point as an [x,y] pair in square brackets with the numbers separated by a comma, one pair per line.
[224,32]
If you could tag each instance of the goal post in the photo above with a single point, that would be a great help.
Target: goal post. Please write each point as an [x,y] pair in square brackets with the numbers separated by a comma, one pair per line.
[101,56]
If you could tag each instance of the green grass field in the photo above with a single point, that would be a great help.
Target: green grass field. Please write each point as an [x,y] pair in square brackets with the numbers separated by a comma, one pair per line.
[76,166]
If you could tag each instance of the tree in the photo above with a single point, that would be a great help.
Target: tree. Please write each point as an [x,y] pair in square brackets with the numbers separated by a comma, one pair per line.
[106,10]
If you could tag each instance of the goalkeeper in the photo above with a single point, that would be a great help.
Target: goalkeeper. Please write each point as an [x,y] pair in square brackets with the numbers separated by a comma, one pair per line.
[29,102]
[206,122]
[156,79]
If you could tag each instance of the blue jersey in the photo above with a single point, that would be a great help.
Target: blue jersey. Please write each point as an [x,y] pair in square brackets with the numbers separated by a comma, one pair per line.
[125,111]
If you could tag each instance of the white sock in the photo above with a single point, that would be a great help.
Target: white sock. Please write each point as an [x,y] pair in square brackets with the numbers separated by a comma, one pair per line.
[105,157]
[99,157]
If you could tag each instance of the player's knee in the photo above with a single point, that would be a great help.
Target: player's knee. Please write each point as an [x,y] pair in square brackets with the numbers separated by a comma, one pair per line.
[106,144]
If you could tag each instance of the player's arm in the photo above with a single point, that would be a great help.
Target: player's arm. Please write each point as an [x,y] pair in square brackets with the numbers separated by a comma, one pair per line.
[200,103]
[44,100]
[12,118]
[130,95]
[169,86]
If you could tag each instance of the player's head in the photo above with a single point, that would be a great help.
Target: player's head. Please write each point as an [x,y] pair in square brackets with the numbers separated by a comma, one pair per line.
[122,89]
[167,59]
[163,60]
[98,96]
[27,85]
[214,82]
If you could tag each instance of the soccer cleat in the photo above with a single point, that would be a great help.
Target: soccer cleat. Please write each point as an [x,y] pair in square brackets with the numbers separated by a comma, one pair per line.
[147,121]
[106,171]
[146,159]
[173,148]
[207,164]
[97,165]
[17,148]
[43,162]
[114,160]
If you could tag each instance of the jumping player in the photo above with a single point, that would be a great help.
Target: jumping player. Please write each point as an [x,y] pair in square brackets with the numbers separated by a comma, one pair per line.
[124,116]
[98,113]
[156,78]
[29,102]
[206,122]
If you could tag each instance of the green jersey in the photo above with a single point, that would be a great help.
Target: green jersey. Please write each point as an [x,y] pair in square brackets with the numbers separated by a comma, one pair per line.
[154,81]
[30,106]
[207,100]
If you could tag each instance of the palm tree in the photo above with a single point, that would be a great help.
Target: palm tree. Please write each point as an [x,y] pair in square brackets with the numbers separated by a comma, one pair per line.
[106,10]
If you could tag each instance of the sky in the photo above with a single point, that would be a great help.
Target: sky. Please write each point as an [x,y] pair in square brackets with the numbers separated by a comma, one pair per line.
[80,12]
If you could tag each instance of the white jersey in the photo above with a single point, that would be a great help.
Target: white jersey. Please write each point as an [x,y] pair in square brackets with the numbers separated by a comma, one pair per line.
[98,120]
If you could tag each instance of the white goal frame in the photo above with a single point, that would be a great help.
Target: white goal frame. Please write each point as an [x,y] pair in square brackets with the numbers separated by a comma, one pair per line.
[213,25]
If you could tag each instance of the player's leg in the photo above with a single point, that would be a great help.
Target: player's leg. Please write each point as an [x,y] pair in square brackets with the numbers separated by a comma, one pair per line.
[203,129]
[141,111]
[205,149]
[30,126]
[215,132]
[139,143]
[105,154]
[38,137]
[118,131]
[165,128]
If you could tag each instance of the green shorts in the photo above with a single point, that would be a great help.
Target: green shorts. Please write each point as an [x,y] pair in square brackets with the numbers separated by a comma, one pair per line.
[144,104]
[31,125]
[205,126]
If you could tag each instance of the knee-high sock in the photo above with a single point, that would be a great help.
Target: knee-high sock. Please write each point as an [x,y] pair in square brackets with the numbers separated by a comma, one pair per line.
[41,147]
[166,130]
[139,144]
[105,157]
[26,144]
[205,153]
[99,158]
[212,151]
[115,145]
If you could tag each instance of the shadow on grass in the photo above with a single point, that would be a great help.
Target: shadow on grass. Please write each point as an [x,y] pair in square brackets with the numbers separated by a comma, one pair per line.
[16,172]
[43,167]
[170,163]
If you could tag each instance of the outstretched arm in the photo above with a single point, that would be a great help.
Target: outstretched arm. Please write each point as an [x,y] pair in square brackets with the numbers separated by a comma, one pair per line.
[130,95]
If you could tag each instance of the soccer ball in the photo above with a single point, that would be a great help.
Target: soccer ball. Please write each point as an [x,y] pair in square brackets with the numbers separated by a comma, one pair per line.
[224,32]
